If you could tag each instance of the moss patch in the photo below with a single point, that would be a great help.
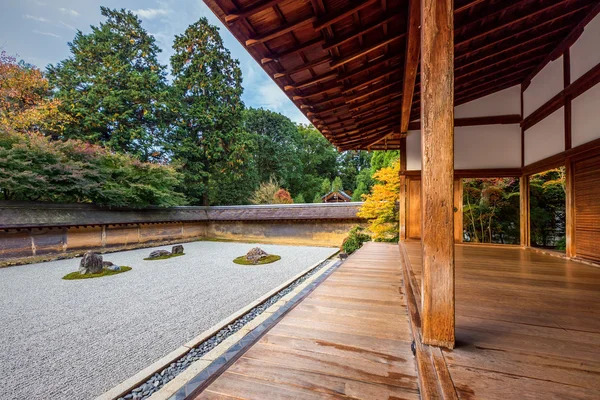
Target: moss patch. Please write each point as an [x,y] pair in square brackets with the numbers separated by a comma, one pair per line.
[105,272]
[271,258]
[164,257]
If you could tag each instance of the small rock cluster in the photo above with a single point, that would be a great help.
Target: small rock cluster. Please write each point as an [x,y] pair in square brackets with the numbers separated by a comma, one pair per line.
[160,379]
[92,263]
[178,249]
[255,255]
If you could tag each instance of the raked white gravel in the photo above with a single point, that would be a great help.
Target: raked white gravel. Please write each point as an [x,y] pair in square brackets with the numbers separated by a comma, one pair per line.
[76,339]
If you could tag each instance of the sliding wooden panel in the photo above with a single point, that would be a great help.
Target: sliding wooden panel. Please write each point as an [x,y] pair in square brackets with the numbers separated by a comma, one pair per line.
[413,217]
[586,181]
[458,211]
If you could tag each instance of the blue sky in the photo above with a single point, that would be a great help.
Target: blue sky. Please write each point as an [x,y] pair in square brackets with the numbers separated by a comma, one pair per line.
[38,32]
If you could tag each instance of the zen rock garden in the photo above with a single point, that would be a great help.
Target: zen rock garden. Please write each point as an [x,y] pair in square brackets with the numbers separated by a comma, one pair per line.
[257,256]
[176,251]
[93,266]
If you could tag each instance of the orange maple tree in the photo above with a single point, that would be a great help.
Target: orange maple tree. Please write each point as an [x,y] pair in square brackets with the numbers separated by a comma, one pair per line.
[25,102]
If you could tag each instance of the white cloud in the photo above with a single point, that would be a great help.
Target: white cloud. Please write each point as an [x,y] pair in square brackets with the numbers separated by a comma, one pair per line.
[46,33]
[71,27]
[151,13]
[33,17]
[69,11]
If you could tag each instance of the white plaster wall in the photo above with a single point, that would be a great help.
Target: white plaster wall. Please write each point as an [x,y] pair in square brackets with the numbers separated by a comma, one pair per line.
[413,151]
[504,102]
[487,146]
[546,138]
[475,147]
[545,85]
[585,117]
[585,52]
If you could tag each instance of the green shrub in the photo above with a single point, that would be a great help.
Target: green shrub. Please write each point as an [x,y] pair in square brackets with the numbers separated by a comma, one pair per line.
[354,241]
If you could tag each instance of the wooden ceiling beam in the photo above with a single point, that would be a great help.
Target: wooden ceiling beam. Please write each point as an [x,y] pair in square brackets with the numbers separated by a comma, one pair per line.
[507,11]
[395,103]
[364,51]
[332,43]
[249,11]
[515,34]
[411,61]
[319,93]
[310,82]
[375,79]
[467,6]
[370,66]
[516,56]
[371,92]
[302,67]
[287,28]
[511,66]
[335,16]
[511,48]
[385,97]
[564,44]
[306,46]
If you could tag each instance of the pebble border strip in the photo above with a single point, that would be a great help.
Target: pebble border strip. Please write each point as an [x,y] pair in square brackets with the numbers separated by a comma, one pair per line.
[159,379]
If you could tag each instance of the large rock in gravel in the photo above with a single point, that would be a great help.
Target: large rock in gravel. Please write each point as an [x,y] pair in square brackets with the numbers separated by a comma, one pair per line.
[178,249]
[256,254]
[159,253]
[91,263]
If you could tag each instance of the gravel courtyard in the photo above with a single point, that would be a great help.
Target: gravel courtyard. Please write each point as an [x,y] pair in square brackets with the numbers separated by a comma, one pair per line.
[76,339]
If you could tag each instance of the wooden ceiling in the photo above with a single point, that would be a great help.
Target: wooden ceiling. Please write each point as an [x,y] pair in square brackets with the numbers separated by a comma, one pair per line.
[350,66]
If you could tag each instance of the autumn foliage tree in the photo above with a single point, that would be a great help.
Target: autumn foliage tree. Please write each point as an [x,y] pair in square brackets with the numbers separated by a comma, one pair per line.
[379,207]
[25,102]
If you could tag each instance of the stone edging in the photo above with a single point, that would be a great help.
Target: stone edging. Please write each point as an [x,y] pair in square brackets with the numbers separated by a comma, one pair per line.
[142,376]
[204,372]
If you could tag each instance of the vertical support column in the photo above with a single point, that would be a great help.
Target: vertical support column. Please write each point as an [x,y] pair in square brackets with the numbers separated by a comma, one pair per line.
[437,121]
[402,194]
[524,210]
[458,211]
[570,209]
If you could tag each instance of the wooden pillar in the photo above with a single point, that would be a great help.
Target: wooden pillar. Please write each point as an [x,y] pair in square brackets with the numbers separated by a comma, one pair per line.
[402,195]
[570,209]
[437,153]
[524,210]
[458,211]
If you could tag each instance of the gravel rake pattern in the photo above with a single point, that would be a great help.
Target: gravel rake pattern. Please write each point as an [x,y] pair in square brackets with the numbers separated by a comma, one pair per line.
[77,339]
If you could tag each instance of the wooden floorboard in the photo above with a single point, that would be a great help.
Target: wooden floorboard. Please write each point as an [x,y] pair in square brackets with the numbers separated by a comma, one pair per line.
[527,324]
[349,339]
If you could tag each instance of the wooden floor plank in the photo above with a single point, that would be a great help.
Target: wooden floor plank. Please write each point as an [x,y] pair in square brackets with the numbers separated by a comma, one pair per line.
[350,339]
[527,324]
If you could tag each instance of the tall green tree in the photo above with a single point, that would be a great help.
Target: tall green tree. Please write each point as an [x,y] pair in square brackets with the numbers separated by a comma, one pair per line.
[112,86]
[277,145]
[350,165]
[206,100]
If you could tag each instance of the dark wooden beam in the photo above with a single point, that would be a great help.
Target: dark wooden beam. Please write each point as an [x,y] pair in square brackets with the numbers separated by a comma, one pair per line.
[278,32]
[374,79]
[336,15]
[564,44]
[437,176]
[310,82]
[370,66]
[505,11]
[364,51]
[371,92]
[332,43]
[303,47]
[249,11]
[411,61]
[302,67]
